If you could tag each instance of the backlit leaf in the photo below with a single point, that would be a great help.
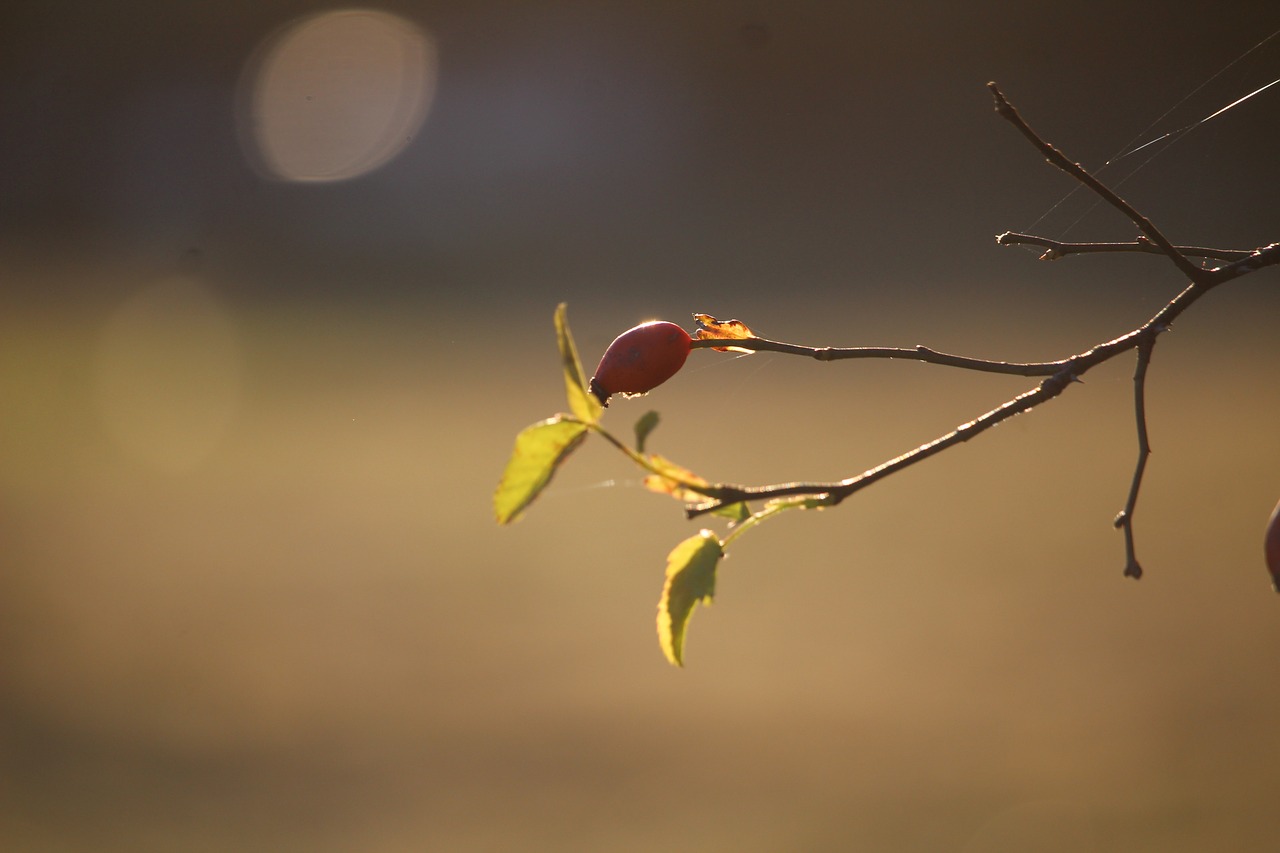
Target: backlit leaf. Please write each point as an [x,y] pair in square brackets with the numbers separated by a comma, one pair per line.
[691,580]
[709,328]
[539,450]
[671,480]
[736,513]
[581,401]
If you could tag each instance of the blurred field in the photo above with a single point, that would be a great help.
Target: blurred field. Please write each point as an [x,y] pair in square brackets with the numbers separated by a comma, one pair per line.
[252,596]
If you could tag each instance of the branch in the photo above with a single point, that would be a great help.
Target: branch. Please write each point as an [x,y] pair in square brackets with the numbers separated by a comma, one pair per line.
[1075,170]
[1124,520]
[1058,249]
[916,353]
[1267,256]
[1059,374]
[1067,370]
[837,492]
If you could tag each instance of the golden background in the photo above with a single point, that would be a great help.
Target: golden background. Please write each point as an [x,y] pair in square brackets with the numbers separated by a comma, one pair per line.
[251,592]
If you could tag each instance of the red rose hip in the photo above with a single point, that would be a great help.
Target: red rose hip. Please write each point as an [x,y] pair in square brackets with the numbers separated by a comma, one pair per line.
[1272,547]
[640,359]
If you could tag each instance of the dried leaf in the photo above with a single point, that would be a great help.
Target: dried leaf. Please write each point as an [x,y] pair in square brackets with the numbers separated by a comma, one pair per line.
[709,328]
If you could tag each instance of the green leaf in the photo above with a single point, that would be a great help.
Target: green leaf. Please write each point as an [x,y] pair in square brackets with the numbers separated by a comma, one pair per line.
[581,401]
[691,580]
[539,450]
[736,513]
[648,423]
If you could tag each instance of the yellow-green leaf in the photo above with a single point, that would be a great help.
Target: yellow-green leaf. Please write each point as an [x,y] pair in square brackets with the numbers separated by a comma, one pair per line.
[691,580]
[671,479]
[539,450]
[581,401]
[736,513]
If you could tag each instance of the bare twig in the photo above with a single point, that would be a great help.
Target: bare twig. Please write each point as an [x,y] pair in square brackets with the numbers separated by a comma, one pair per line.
[1058,249]
[1059,375]
[838,491]
[916,353]
[1124,520]
[1266,256]
[1066,370]
[1075,170]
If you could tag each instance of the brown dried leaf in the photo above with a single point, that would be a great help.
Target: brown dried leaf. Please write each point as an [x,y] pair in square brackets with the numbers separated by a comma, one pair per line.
[709,328]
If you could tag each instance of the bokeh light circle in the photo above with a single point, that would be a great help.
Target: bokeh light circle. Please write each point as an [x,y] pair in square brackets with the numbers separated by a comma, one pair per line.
[335,95]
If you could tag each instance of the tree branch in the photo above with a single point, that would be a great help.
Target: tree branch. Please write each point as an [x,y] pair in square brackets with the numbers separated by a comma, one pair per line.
[1058,249]
[838,491]
[1075,170]
[1059,375]
[1067,370]
[916,353]
[1124,520]
[1267,256]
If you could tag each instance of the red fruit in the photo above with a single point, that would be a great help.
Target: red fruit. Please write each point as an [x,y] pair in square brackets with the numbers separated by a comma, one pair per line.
[640,360]
[1272,547]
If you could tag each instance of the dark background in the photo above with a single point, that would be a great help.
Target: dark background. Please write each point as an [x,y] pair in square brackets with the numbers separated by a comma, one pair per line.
[251,593]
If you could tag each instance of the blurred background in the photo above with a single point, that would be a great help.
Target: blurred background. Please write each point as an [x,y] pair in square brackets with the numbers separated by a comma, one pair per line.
[276,289]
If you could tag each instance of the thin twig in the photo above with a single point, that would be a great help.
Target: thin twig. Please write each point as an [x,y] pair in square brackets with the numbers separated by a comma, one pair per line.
[916,353]
[1266,256]
[1058,249]
[1124,520]
[1059,374]
[837,492]
[1075,170]
[1069,369]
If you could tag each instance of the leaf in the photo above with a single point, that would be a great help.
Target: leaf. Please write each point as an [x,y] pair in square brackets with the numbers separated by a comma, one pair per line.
[736,513]
[671,479]
[691,580]
[581,401]
[539,450]
[709,328]
[647,423]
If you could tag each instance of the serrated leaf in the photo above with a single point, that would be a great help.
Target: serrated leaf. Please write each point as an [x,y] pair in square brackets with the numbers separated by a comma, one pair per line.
[581,401]
[539,451]
[647,423]
[671,478]
[691,580]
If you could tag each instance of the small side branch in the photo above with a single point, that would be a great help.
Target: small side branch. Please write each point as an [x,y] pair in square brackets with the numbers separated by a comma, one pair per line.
[916,353]
[1267,256]
[1124,521]
[1058,375]
[1057,158]
[1055,249]
[836,492]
